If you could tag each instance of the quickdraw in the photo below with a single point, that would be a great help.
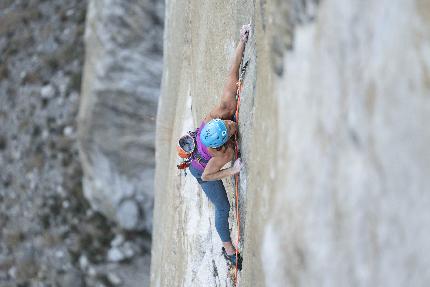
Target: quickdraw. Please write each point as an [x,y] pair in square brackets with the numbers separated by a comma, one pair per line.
[184,164]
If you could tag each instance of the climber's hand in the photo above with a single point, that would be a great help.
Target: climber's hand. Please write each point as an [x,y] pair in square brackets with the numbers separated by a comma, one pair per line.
[244,32]
[237,166]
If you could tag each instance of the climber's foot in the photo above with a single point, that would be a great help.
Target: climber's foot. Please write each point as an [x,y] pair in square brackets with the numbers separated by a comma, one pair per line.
[231,259]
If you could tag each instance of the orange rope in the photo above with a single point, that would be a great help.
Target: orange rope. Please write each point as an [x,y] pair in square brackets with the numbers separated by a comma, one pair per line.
[236,177]
[239,86]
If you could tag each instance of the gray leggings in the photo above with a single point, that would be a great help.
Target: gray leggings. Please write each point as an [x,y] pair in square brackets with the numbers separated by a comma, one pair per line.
[216,193]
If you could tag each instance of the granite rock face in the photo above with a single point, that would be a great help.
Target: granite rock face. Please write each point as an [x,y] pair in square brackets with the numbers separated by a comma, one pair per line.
[333,136]
[116,121]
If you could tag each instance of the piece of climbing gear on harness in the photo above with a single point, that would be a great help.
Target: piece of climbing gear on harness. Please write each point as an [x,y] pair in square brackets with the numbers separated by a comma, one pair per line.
[183,165]
[188,151]
[231,259]
[214,134]
[186,146]
[182,153]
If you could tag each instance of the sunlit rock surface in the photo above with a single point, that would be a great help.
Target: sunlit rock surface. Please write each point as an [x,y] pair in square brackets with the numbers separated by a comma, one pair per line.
[334,138]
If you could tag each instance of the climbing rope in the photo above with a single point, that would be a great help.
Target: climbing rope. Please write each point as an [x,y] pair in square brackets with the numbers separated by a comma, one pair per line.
[236,177]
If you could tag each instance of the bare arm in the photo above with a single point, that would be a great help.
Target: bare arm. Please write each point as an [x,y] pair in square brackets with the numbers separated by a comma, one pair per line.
[222,111]
[227,106]
[214,171]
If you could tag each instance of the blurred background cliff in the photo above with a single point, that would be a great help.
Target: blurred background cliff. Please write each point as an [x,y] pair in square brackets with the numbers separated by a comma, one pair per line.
[77,144]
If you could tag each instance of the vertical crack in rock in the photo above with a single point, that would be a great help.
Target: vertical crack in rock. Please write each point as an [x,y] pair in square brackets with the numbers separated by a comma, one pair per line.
[337,158]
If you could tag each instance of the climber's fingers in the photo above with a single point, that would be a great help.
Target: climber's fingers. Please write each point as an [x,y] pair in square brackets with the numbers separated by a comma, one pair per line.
[245,32]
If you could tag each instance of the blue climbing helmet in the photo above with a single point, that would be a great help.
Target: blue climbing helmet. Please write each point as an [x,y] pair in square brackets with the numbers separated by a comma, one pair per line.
[214,134]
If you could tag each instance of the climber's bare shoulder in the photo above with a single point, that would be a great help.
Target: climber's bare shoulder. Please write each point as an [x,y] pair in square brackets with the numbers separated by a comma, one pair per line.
[227,151]
[222,111]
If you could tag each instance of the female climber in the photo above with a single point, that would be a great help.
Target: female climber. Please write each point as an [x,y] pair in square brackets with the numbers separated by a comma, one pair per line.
[210,147]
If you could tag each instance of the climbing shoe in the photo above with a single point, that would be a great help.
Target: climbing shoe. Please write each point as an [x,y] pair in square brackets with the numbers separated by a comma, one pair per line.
[231,259]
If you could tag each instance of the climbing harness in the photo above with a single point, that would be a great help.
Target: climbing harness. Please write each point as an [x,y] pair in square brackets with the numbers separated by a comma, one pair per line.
[236,177]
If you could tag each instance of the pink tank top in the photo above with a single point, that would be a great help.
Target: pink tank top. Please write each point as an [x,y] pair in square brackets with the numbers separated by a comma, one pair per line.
[201,156]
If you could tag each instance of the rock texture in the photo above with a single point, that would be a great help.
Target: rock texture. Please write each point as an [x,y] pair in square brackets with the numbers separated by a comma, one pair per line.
[116,121]
[333,136]
[46,224]
[50,235]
